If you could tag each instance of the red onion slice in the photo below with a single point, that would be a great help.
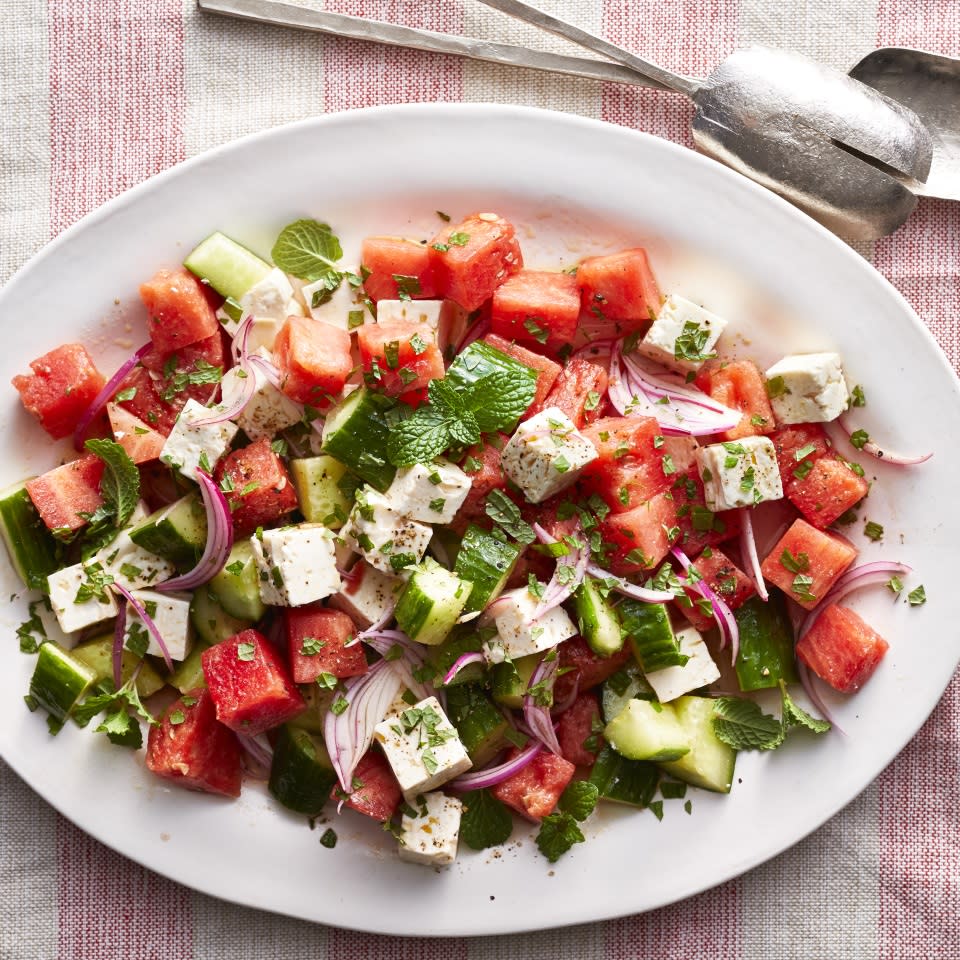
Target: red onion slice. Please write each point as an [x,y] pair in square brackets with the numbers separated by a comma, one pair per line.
[147,621]
[537,717]
[464,660]
[748,547]
[630,589]
[248,379]
[878,453]
[118,632]
[808,682]
[557,590]
[491,776]
[269,369]
[722,614]
[375,628]
[106,394]
[258,755]
[567,701]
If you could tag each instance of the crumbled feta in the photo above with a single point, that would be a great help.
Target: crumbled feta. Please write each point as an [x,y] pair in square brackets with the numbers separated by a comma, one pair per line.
[132,565]
[683,335]
[741,473]
[367,595]
[808,388]
[698,671]
[546,454]
[268,411]
[64,587]
[430,830]
[415,311]
[188,445]
[431,493]
[388,540]
[171,614]
[295,565]
[337,309]
[518,634]
[272,297]
[422,747]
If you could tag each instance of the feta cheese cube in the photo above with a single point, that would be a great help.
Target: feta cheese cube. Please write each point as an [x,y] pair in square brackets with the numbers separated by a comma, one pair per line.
[422,747]
[296,565]
[64,587]
[431,493]
[808,388]
[546,454]
[416,311]
[700,670]
[367,594]
[739,474]
[683,335]
[431,836]
[272,297]
[171,614]
[187,445]
[337,309]
[518,634]
[132,565]
[388,540]
[268,411]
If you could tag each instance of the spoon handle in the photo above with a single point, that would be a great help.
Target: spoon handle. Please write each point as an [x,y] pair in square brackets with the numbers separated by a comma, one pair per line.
[546,21]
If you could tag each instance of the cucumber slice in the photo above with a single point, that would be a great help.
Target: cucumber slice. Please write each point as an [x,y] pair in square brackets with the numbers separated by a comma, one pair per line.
[597,619]
[710,763]
[228,267]
[647,625]
[647,731]
[480,360]
[633,782]
[189,673]
[317,481]
[34,552]
[301,774]
[97,655]
[479,723]
[356,433]
[211,621]
[177,533]
[625,685]
[487,563]
[465,638]
[510,679]
[237,586]
[766,643]
[59,681]
[431,602]
[232,309]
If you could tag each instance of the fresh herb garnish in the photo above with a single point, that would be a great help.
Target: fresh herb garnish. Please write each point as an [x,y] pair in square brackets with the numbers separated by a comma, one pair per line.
[503,511]
[308,249]
[560,830]
[486,822]
[120,727]
[917,597]
[874,531]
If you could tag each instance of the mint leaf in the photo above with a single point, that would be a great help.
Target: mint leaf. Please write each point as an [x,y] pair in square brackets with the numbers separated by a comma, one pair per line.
[558,833]
[307,249]
[579,799]
[465,431]
[741,724]
[794,716]
[503,511]
[419,438]
[500,399]
[486,821]
[122,729]
[120,486]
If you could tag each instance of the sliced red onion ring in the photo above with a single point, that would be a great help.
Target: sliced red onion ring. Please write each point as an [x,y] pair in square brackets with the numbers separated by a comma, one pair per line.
[491,776]
[247,377]
[537,717]
[878,453]
[219,539]
[748,547]
[722,614]
[106,394]
[374,628]
[147,622]
[596,348]
[118,633]
[464,660]
[630,589]
[808,682]
[269,369]
[567,701]
[258,755]
[556,591]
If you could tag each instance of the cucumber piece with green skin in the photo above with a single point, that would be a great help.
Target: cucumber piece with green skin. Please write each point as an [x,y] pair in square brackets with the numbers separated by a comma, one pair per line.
[356,433]
[487,563]
[318,700]
[480,360]
[231,269]
[431,602]
[647,731]
[34,552]
[647,626]
[597,619]
[510,679]
[177,533]
[237,586]
[633,782]
[211,622]
[317,482]
[59,681]
[766,643]
[97,655]
[232,309]
[627,684]
[189,673]
[445,548]
[301,774]
[711,762]
[465,638]
[481,726]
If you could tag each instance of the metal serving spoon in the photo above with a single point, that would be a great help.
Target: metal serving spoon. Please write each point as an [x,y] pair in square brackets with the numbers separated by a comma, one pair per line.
[849,156]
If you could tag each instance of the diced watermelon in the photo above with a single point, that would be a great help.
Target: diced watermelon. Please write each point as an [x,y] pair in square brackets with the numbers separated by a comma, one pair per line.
[397,266]
[316,639]
[841,649]
[399,356]
[482,466]
[827,491]
[619,288]
[577,724]
[472,258]
[190,373]
[726,579]
[809,440]
[585,667]
[578,392]
[538,308]
[61,388]
[314,360]
[817,558]
[141,442]
[251,686]
[700,527]
[641,537]
[62,494]
[739,384]
[534,791]
[146,402]
[178,312]
[260,492]
[629,468]
[547,370]
[376,792]
[192,749]
[530,563]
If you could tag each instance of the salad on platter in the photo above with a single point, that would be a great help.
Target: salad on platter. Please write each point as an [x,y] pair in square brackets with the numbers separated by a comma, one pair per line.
[438,539]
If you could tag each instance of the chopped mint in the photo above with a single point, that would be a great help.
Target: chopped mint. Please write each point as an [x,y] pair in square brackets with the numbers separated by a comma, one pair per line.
[917,597]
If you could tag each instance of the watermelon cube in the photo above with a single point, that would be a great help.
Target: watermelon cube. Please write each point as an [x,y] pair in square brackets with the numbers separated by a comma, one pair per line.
[259,489]
[146,401]
[578,392]
[193,750]
[641,537]
[61,495]
[537,308]
[376,792]
[399,356]
[178,312]
[581,665]
[141,442]
[827,491]
[61,388]
[316,640]
[251,686]
[725,578]
[188,373]
[577,724]
[739,384]
[534,791]
[841,649]
[798,446]
[547,371]
[482,466]
[699,526]
[806,563]
[314,360]
[395,267]
[619,288]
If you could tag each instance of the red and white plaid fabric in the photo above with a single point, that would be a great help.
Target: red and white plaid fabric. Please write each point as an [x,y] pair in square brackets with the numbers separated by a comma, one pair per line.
[96,95]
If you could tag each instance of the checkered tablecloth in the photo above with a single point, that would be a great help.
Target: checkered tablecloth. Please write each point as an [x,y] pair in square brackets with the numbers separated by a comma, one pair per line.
[96,95]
